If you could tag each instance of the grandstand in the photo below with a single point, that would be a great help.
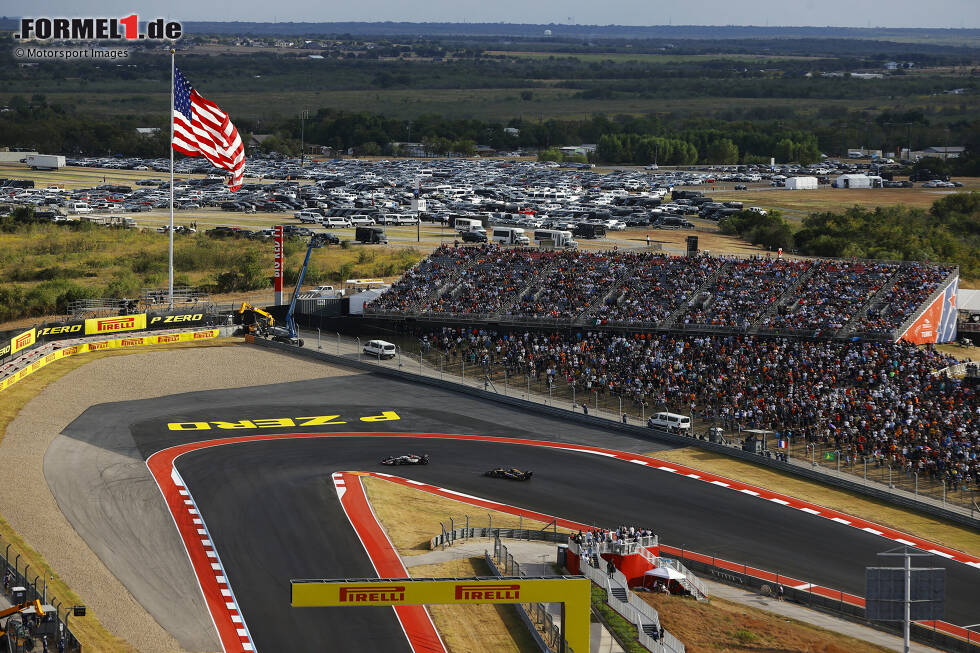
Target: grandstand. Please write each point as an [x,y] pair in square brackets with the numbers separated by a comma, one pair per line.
[613,290]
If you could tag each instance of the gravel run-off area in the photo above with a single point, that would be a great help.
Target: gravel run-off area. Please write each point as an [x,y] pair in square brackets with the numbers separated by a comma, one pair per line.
[29,506]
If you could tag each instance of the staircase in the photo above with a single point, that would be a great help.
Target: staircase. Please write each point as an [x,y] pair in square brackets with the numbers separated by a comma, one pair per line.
[873,301]
[690,582]
[619,593]
[788,293]
[680,310]
[502,311]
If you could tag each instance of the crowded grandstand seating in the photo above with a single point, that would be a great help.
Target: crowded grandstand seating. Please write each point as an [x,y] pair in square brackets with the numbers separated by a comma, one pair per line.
[655,287]
[913,285]
[744,290]
[574,281]
[864,398]
[622,289]
[492,281]
[832,295]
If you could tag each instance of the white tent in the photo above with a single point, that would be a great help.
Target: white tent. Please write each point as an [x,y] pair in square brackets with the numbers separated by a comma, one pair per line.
[801,183]
[664,572]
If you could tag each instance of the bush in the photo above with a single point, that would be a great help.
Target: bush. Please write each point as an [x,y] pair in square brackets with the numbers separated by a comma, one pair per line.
[771,230]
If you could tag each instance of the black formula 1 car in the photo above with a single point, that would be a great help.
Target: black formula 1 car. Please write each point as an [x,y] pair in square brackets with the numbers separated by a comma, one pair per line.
[513,474]
[408,459]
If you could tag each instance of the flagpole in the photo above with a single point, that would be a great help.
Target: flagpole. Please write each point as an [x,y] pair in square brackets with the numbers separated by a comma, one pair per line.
[170,293]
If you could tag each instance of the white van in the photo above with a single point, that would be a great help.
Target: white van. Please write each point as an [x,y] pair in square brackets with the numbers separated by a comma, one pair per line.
[361,220]
[510,236]
[79,208]
[335,222]
[380,349]
[671,422]
[559,237]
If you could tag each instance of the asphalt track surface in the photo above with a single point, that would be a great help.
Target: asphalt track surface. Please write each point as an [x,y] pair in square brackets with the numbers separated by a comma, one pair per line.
[273,514]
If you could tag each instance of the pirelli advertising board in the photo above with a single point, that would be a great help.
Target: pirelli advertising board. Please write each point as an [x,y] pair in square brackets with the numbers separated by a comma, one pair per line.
[18,342]
[575,593]
[100,325]
[102,345]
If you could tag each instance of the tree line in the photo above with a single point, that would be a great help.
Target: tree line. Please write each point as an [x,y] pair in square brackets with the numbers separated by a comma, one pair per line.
[948,232]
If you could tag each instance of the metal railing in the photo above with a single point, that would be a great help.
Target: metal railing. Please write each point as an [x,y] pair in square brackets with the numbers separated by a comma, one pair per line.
[634,609]
[55,625]
[535,616]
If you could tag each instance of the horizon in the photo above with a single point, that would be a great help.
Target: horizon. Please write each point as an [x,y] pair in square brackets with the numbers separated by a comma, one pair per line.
[835,14]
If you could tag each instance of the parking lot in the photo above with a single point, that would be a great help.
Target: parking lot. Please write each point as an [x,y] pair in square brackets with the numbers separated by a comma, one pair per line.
[612,208]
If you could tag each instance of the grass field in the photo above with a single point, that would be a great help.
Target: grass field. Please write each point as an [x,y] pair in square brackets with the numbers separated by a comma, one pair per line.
[412,517]
[492,104]
[930,528]
[797,204]
[90,632]
[722,626]
[644,57]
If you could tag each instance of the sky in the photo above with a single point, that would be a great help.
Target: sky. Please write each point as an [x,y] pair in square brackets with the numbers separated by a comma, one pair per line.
[838,13]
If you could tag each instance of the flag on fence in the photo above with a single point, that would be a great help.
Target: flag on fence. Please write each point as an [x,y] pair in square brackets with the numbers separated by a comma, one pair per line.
[829,455]
[201,128]
[783,443]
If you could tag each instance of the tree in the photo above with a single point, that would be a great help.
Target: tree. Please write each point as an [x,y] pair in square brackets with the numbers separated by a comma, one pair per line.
[722,151]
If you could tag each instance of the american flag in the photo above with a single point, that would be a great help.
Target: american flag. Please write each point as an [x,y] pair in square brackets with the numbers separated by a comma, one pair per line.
[201,128]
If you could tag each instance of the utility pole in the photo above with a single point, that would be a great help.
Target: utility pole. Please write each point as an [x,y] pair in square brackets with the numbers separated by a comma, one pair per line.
[303,117]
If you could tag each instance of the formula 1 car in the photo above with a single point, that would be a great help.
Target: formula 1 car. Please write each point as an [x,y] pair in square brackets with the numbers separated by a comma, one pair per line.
[408,459]
[513,474]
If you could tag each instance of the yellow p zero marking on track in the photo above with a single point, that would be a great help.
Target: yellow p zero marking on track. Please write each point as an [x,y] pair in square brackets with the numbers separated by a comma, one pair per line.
[319,420]
[385,416]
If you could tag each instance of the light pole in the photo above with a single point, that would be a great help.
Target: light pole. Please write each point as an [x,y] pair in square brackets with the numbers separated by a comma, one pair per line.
[303,117]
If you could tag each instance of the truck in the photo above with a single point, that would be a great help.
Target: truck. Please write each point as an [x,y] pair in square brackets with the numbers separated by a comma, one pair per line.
[590,230]
[510,236]
[45,161]
[369,235]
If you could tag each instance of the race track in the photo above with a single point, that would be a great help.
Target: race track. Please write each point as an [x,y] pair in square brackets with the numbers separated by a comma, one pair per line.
[272,512]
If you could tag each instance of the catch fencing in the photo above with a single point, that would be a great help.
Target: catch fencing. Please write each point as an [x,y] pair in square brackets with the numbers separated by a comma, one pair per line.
[55,624]
[414,357]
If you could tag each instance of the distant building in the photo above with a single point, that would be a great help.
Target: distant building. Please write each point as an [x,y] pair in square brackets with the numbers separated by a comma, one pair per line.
[147,131]
[938,152]
[255,140]
[512,131]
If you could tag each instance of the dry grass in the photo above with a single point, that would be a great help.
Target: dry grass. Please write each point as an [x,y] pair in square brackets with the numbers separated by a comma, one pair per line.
[466,628]
[960,352]
[90,631]
[799,203]
[723,626]
[920,525]
[412,517]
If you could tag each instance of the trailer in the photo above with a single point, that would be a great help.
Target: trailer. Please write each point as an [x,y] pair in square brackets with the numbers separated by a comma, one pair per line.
[45,161]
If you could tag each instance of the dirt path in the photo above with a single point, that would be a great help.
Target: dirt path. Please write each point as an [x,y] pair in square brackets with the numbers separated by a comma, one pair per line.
[34,454]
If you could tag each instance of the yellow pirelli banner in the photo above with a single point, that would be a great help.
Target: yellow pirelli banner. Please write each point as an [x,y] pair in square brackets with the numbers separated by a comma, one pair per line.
[121,343]
[100,325]
[575,593]
[23,340]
